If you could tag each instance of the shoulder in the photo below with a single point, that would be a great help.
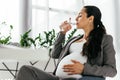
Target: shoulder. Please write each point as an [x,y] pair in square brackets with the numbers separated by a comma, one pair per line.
[107,39]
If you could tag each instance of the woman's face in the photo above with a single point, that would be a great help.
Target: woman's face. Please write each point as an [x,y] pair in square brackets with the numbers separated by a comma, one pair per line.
[82,20]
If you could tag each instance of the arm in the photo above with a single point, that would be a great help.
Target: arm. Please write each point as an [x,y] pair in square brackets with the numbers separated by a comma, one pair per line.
[65,27]
[57,48]
[108,69]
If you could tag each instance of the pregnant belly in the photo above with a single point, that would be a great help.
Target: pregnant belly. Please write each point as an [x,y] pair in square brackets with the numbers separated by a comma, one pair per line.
[67,60]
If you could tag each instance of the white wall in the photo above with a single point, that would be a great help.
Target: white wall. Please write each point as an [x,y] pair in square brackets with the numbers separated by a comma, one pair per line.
[117,35]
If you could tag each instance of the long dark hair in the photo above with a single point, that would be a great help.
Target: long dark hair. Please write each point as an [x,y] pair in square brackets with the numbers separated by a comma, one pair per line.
[93,45]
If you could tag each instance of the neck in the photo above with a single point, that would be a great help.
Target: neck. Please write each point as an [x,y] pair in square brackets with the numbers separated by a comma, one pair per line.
[87,31]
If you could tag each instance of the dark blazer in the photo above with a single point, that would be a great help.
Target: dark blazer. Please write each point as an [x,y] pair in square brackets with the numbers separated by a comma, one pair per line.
[104,65]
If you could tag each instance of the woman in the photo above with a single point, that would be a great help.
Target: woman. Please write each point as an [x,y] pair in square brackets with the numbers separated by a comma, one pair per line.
[95,48]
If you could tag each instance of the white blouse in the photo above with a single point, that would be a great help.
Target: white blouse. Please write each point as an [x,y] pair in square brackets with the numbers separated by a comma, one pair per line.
[75,54]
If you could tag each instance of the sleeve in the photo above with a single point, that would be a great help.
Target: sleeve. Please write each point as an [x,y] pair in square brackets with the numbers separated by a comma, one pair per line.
[57,48]
[108,69]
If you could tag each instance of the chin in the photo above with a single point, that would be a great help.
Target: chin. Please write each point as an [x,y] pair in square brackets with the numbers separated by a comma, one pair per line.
[78,27]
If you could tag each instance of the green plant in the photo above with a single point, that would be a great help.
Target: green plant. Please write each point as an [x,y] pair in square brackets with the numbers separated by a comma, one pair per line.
[5,39]
[26,40]
[46,40]
[71,34]
[49,38]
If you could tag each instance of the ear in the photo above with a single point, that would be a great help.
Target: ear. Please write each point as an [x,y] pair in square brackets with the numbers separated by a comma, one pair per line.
[91,18]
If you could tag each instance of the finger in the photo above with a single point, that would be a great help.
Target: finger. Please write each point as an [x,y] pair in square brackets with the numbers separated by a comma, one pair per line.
[69,27]
[68,70]
[65,22]
[68,65]
[74,61]
[70,73]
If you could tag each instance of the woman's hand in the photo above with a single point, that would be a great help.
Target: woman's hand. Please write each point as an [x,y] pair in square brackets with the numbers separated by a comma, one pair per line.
[65,27]
[75,68]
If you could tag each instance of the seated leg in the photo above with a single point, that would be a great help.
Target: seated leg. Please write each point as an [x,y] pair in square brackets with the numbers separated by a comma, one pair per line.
[32,73]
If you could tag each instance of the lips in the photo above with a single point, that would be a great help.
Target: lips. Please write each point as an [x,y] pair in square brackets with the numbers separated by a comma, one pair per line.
[76,23]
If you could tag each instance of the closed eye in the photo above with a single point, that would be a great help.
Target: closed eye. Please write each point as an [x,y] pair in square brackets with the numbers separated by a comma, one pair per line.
[80,15]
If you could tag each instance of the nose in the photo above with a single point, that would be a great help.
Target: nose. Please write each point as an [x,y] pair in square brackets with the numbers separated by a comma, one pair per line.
[76,18]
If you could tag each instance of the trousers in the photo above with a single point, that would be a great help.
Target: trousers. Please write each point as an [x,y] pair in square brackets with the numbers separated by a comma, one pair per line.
[91,78]
[31,73]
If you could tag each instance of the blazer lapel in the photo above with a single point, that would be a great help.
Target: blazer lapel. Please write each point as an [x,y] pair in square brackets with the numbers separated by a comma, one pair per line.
[66,48]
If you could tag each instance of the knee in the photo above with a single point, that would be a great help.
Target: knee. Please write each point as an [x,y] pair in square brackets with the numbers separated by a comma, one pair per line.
[21,73]
[24,68]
